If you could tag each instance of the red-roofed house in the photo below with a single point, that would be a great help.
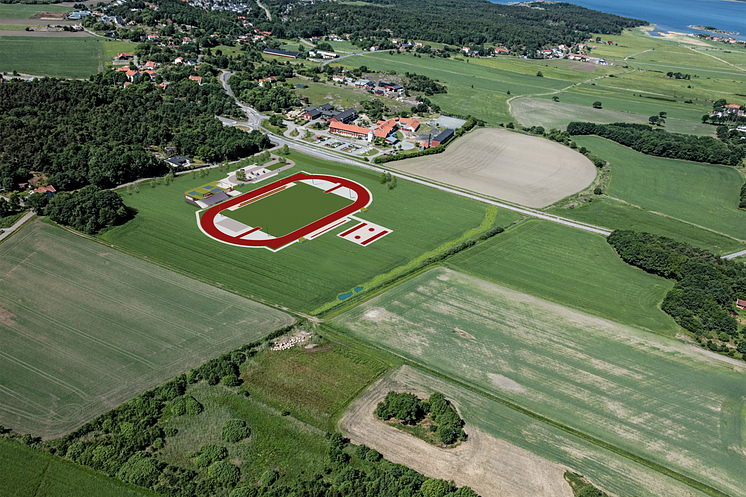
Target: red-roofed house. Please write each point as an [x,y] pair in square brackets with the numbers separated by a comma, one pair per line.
[150,64]
[198,79]
[350,130]
[124,56]
[741,304]
[409,124]
[132,74]
[384,128]
[179,60]
[49,191]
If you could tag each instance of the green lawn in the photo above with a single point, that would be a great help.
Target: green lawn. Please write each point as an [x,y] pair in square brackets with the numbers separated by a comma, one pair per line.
[703,195]
[312,386]
[341,96]
[306,275]
[57,57]
[573,268]
[288,210]
[656,397]
[25,472]
[85,327]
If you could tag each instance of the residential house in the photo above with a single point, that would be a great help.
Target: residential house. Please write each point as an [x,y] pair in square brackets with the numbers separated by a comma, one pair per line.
[198,79]
[409,124]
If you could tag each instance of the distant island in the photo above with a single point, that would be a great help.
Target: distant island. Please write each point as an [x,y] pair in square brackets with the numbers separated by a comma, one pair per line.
[711,29]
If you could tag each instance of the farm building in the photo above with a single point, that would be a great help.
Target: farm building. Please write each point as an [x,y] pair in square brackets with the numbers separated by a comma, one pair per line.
[442,137]
[311,113]
[390,87]
[281,53]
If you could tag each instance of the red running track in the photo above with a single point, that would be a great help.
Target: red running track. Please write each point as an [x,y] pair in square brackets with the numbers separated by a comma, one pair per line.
[207,222]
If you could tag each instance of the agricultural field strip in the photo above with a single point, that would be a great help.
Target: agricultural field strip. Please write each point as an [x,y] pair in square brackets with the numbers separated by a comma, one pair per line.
[581,376]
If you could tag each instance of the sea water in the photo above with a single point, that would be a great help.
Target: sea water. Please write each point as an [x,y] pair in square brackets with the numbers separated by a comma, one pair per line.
[674,15]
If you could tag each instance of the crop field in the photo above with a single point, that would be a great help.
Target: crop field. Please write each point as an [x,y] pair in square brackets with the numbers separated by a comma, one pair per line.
[514,434]
[527,170]
[25,472]
[26,11]
[549,114]
[704,195]
[311,384]
[48,56]
[279,442]
[658,398]
[491,467]
[305,275]
[101,326]
[573,268]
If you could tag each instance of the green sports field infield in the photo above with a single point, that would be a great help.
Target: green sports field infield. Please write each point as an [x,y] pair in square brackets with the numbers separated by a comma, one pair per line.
[288,210]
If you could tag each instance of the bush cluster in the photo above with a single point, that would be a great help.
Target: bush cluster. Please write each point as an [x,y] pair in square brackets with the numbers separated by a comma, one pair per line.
[409,409]
[235,430]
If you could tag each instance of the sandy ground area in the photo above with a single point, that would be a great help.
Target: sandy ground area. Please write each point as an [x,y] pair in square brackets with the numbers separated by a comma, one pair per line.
[48,34]
[683,38]
[491,467]
[510,166]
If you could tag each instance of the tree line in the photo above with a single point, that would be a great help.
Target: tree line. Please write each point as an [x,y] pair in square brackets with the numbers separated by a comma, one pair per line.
[81,133]
[703,298]
[657,142]
[456,22]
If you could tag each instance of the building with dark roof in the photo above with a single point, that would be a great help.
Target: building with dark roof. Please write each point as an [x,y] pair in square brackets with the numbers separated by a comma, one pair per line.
[311,113]
[346,116]
[442,137]
[281,53]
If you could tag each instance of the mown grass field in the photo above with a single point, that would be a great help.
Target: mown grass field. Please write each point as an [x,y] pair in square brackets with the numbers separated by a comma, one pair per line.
[56,57]
[573,268]
[305,275]
[656,397]
[704,195]
[278,442]
[341,96]
[85,327]
[25,472]
[312,385]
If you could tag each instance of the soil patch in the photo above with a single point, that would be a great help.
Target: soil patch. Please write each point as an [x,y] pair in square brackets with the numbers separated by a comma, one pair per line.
[491,467]
[48,34]
[511,166]
[50,15]
[463,334]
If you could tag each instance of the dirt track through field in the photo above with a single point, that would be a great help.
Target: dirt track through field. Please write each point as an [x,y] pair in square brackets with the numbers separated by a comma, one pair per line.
[46,34]
[491,467]
[519,168]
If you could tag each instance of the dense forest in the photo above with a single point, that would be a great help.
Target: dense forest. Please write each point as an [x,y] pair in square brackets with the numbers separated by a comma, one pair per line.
[660,143]
[92,132]
[125,443]
[455,22]
[706,289]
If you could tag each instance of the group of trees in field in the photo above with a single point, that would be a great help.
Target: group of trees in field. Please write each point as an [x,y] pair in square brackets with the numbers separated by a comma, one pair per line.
[90,132]
[409,409]
[706,289]
[420,83]
[660,143]
[457,22]
[125,443]
[89,209]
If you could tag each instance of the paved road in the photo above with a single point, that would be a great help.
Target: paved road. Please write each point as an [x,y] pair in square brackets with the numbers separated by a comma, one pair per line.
[734,255]
[269,16]
[255,119]
[9,231]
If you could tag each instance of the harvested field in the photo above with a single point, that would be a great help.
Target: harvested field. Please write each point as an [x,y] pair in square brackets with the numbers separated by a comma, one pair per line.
[491,467]
[519,168]
[85,328]
[33,22]
[658,398]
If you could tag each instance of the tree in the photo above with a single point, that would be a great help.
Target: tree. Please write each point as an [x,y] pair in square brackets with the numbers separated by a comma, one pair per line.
[597,104]
[555,98]
[36,202]
[539,74]
[235,430]
[285,149]
[224,472]
[653,120]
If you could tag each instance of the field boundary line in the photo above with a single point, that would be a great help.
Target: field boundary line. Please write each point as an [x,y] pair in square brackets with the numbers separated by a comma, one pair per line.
[696,484]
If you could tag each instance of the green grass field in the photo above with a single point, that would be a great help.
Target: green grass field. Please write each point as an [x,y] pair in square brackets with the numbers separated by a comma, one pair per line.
[26,11]
[85,327]
[703,195]
[341,96]
[656,397]
[305,275]
[573,268]
[25,472]
[312,386]
[288,210]
[57,57]
[278,442]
